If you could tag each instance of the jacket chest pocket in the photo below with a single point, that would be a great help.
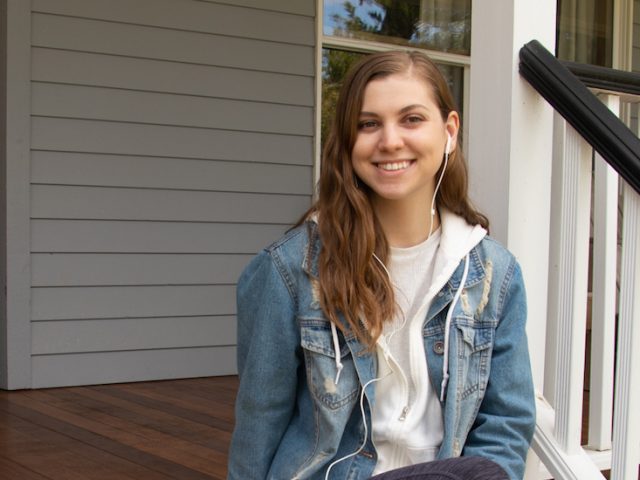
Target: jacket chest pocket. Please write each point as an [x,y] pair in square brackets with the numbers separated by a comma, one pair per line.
[475,345]
[321,366]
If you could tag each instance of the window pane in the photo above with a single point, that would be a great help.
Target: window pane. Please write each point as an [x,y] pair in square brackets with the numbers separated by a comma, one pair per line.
[443,25]
[585,31]
[336,63]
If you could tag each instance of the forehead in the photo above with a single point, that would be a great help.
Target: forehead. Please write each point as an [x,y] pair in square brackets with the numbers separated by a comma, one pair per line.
[398,90]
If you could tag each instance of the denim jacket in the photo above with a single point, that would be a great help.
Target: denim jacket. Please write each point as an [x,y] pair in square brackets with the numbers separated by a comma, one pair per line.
[293,421]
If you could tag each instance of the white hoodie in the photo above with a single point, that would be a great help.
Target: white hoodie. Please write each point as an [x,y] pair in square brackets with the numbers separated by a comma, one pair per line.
[407,416]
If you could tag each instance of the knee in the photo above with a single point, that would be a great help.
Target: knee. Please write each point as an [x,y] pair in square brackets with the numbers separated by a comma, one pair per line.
[478,468]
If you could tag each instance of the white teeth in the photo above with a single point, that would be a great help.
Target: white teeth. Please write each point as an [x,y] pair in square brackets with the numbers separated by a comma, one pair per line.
[394,165]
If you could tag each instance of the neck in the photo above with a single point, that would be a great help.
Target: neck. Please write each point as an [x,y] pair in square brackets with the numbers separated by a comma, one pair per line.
[405,226]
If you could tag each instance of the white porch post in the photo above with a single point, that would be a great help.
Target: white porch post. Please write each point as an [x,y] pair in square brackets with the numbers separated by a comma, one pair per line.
[510,145]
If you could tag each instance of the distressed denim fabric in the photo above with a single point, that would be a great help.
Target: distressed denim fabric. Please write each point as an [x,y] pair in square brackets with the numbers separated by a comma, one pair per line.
[292,419]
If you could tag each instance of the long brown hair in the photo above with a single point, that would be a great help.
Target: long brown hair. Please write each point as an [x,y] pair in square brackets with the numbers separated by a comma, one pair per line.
[351,280]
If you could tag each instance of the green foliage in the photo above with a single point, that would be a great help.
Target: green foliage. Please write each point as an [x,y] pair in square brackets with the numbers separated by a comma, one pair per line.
[335,64]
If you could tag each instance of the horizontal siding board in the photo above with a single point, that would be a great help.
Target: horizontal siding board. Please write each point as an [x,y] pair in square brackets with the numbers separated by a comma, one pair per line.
[176,45]
[300,7]
[95,103]
[79,68]
[82,336]
[115,367]
[93,136]
[150,237]
[82,269]
[67,303]
[177,173]
[51,201]
[195,16]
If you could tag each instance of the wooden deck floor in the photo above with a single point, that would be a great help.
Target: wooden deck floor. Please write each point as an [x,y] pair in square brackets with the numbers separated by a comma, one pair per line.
[156,430]
[138,431]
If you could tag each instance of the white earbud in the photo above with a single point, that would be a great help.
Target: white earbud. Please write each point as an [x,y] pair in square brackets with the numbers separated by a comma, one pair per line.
[447,149]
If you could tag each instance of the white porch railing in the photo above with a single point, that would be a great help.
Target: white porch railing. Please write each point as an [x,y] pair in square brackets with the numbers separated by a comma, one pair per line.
[582,180]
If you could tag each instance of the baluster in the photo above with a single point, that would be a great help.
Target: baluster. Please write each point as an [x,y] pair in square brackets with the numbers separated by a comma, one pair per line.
[603,311]
[570,210]
[626,423]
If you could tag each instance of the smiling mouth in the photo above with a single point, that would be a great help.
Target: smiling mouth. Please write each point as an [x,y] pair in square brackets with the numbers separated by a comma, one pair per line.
[393,166]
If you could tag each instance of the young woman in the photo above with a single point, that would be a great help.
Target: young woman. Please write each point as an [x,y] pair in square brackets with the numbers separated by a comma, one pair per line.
[385,334]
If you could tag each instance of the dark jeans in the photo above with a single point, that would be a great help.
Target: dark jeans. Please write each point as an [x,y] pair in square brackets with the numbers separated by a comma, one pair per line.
[461,468]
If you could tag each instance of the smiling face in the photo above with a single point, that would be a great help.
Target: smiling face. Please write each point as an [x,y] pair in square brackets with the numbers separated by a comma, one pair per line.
[401,141]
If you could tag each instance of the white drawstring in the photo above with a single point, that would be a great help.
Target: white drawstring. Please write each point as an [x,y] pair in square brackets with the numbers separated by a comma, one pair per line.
[336,348]
[447,327]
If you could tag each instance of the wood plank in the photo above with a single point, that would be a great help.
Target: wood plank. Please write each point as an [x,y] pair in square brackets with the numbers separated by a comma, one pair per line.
[93,136]
[80,68]
[65,303]
[145,414]
[194,396]
[193,16]
[68,432]
[118,105]
[195,399]
[59,449]
[70,202]
[80,269]
[51,459]
[47,453]
[11,469]
[132,334]
[147,439]
[150,237]
[128,366]
[130,40]
[68,168]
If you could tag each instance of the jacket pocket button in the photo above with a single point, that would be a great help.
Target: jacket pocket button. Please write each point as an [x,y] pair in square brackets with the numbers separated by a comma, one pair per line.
[438,348]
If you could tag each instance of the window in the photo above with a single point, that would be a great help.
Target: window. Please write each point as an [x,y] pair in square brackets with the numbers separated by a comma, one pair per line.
[435,25]
[585,31]
[352,28]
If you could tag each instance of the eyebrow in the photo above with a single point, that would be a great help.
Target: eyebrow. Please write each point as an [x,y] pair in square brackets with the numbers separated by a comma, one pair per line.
[402,110]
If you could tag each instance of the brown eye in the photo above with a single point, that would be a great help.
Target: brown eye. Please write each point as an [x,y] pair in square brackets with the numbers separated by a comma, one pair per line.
[366,124]
[414,119]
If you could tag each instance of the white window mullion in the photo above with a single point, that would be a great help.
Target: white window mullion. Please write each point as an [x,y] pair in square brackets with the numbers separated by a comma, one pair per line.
[366,46]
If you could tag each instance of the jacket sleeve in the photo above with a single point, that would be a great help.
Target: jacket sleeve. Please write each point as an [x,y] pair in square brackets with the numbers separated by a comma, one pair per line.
[504,426]
[268,358]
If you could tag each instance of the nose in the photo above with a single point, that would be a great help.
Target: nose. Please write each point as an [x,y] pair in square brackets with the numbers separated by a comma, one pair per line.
[391,138]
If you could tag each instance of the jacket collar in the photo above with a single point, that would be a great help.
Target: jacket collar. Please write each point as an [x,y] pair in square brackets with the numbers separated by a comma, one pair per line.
[458,238]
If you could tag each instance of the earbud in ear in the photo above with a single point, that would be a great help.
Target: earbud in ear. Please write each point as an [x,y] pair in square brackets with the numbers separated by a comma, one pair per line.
[447,149]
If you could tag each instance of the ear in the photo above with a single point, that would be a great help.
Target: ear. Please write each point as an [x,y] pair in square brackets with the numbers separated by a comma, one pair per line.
[452,125]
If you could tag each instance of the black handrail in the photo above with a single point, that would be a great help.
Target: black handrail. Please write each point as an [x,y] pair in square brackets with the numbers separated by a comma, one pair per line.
[603,78]
[603,130]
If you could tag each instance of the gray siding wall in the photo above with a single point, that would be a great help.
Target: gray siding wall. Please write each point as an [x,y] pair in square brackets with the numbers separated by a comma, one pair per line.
[171,140]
